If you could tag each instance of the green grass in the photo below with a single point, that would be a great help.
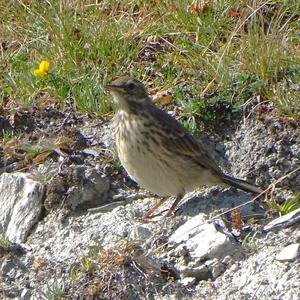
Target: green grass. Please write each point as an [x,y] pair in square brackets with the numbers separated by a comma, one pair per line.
[250,243]
[213,61]
[4,242]
[287,206]
[55,290]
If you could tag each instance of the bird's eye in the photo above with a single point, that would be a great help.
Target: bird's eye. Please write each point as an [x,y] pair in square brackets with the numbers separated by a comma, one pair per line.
[130,86]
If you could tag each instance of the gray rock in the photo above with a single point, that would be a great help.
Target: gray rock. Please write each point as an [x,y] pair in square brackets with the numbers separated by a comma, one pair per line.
[228,261]
[260,275]
[73,238]
[216,267]
[188,281]
[289,253]
[262,152]
[12,267]
[139,232]
[76,186]
[202,240]
[26,294]
[20,205]
[200,273]
[284,221]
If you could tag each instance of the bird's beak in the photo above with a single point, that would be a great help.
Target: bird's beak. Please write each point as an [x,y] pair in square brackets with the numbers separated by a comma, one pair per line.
[112,87]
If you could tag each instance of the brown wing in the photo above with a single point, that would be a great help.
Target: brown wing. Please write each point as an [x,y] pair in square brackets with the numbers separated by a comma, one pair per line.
[178,140]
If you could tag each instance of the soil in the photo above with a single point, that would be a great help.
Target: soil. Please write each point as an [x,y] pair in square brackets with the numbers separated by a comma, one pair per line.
[73,155]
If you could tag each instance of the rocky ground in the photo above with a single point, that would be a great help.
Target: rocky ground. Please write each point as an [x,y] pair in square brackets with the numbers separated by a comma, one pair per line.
[72,227]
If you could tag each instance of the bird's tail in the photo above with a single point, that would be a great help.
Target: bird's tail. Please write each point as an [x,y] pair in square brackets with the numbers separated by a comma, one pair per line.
[242,184]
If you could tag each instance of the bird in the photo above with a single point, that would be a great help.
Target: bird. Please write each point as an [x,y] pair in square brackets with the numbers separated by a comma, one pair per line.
[158,152]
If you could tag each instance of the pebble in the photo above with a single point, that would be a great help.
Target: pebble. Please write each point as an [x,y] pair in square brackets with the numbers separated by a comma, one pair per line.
[289,253]
[26,294]
[188,281]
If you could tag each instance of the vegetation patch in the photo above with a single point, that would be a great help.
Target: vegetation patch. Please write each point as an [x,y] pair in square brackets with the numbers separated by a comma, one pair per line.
[213,56]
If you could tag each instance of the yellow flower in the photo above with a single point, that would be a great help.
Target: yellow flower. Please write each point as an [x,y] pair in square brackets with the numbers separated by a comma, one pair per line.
[43,69]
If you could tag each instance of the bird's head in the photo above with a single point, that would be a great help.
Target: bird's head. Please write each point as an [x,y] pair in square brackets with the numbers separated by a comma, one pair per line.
[127,91]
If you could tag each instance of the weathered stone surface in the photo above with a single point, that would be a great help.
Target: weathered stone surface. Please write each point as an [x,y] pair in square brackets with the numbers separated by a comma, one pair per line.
[284,221]
[200,273]
[26,294]
[75,237]
[20,205]
[84,180]
[76,185]
[260,275]
[12,267]
[139,232]
[265,150]
[216,267]
[202,240]
[289,253]
[188,281]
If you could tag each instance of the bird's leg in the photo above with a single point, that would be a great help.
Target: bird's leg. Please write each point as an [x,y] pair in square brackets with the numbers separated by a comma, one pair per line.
[171,210]
[155,207]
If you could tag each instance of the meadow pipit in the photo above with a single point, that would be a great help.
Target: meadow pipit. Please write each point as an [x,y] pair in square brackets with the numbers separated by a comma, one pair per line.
[157,151]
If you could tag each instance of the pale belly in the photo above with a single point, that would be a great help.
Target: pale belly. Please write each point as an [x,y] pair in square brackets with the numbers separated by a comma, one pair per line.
[148,170]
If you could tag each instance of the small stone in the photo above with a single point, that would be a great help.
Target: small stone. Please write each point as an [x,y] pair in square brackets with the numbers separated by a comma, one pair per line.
[200,273]
[188,281]
[289,253]
[12,267]
[203,241]
[91,152]
[234,267]
[140,232]
[6,266]
[216,267]
[26,294]
[228,260]
[87,46]
[284,221]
